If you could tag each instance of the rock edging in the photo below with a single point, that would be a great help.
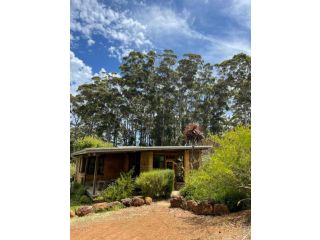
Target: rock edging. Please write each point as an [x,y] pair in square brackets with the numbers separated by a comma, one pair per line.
[204,207]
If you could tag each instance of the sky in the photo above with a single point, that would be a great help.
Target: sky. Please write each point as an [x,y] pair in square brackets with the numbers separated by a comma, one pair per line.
[103,31]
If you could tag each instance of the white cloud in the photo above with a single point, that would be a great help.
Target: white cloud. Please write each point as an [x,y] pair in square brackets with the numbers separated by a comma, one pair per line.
[119,52]
[168,28]
[91,42]
[89,17]
[160,27]
[80,73]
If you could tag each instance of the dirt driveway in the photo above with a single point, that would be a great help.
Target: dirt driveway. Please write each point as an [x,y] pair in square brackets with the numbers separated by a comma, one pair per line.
[158,221]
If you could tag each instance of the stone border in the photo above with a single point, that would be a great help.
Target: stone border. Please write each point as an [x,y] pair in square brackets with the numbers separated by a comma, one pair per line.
[205,207]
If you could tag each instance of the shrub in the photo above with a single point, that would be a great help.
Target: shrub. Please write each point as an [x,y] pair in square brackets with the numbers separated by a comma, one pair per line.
[90,142]
[77,189]
[85,199]
[156,183]
[123,187]
[226,176]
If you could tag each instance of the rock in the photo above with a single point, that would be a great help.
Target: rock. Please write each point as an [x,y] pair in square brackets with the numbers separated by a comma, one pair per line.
[137,201]
[175,194]
[220,209]
[184,204]
[126,202]
[191,205]
[72,214]
[84,210]
[176,202]
[204,208]
[148,200]
[100,206]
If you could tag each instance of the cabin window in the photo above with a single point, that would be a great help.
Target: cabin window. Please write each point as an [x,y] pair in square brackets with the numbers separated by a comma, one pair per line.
[158,161]
[91,163]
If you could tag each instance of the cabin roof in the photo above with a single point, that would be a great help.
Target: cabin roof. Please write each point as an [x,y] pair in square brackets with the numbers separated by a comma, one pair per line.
[136,149]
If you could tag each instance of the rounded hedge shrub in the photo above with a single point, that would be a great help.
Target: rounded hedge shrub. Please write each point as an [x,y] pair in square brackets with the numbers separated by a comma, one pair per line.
[156,183]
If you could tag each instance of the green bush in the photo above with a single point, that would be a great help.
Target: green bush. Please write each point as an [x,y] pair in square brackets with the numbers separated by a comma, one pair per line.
[90,142]
[77,189]
[123,187]
[226,176]
[156,183]
[85,199]
[72,169]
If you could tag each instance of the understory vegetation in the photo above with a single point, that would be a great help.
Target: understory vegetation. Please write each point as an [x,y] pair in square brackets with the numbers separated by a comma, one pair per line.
[225,176]
[90,142]
[122,188]
[156,183]
[78,195]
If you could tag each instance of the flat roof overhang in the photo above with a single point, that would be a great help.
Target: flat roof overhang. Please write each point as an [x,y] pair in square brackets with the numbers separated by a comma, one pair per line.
[135,149]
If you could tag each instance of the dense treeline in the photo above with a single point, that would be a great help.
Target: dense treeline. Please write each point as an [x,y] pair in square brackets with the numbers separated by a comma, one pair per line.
[157,95]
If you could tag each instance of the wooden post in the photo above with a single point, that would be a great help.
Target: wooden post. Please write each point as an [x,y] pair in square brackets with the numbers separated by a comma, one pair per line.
[95,176]
[186,163]
[85,169]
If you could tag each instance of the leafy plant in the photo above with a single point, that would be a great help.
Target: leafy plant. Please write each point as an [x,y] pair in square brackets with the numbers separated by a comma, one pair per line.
[123,187]
[226,176]
[156,183]
[77,193]
[77,189]
[85,199]
[90,142]
[72,169]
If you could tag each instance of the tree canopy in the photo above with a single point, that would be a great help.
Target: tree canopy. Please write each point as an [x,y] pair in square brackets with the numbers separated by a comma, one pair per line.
[157,95]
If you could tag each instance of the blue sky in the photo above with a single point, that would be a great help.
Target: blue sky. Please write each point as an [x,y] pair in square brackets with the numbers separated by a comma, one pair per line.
[103,31]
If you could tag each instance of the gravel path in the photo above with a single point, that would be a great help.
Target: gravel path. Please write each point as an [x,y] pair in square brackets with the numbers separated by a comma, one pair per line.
[158,221]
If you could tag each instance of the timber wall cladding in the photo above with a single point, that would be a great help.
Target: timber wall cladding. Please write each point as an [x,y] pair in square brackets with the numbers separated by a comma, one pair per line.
[114,164]
[146,161]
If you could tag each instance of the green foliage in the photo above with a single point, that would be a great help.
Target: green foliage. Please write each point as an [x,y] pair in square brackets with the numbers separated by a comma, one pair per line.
[156,183]
[77,195]
[72,169]
[90,142]
[226,176]
[85,199]
[77,189]
[123,187]
[157,94]
[236,73]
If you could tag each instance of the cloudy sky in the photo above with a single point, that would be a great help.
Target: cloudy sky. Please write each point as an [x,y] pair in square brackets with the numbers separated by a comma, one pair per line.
[103,31]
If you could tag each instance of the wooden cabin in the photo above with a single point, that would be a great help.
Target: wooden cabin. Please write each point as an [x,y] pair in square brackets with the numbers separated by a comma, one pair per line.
[98,167]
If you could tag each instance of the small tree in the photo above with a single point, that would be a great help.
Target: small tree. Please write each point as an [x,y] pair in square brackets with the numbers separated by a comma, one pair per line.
[193,134]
